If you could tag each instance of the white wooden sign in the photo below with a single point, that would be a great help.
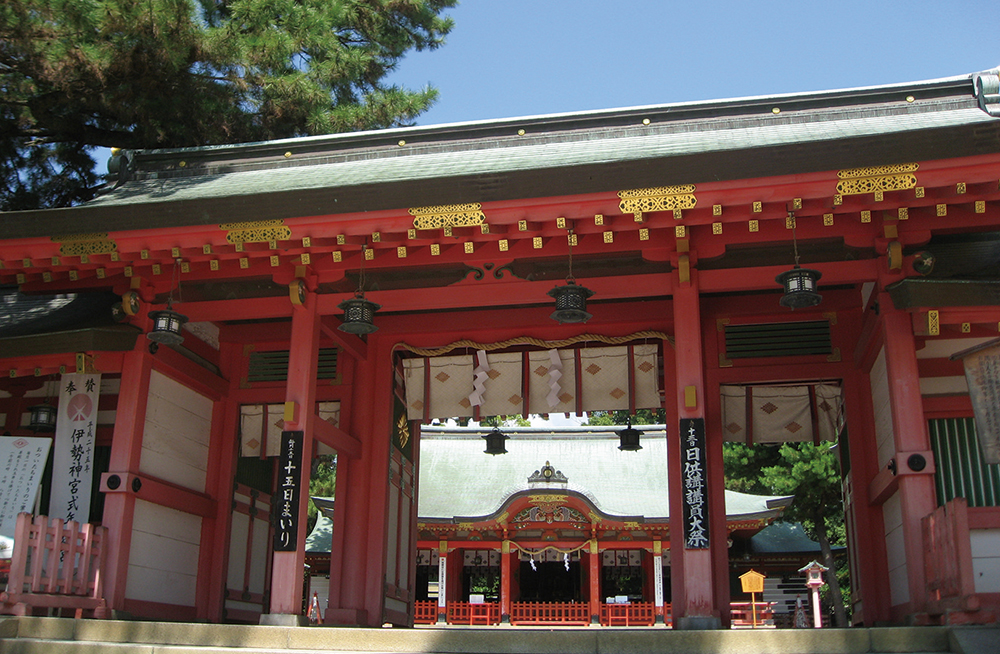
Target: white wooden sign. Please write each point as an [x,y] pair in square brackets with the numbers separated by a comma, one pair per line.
[73,455]
[22,461]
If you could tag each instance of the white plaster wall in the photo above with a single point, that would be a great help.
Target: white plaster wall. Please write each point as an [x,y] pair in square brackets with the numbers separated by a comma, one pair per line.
[882,410]
[892,514]
[986,559]
[177,431]
[163,558]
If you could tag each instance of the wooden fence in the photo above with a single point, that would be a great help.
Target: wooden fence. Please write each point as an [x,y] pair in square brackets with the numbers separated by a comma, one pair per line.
[548,613]
[635,614]
[56,565]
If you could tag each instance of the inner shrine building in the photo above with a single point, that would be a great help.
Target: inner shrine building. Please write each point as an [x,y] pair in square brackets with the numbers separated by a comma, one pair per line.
[247,307]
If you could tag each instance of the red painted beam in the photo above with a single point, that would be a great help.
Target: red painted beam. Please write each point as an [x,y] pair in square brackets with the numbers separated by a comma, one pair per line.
[337,438]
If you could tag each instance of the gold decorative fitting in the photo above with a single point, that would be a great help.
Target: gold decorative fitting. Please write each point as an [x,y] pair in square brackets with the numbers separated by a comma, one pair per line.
[790,222]
[288,154]
[341,239]
[757,207]
[960,188]
[143,254]
[879,196]
[275,261]
[26,263]
[876,179]
[522,225]
[645,121]
[866,216]
[213,265]
[754,225]
[520,132]
[206,249]
[919,192]
[716,209]
[435,249]
[828,220]
[128,271]
[504,245]
[369,254]
[934,322]
[536,242]
[115,256]
[401,251]
[980,206]
[561,222]
[680,231]
[238,247]
[338,256]
[678,214]
[834,355]
[84,245]
[21,278]
[661,198]
[156,269]
[73,276]
[46,276]
[637,217]
[305,258]
[903,213]
[450,215]
[895,255]
[609,237]
[909,98]
[643,234]
[185,267]
[101,273]
[838,199]
[401,143]
[966,327]
[469,247]
[411,233]
[942,210]
[598,219]
[484,229]
[84,258]
[571,239]
[796,203]
[716,228]
[255,231]
[775,110]
[307,241]
[376,237]
[244,263]
[182,164]
[55,261]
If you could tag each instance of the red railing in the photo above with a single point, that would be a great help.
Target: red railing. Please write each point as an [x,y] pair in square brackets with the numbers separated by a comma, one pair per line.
[486,613]
[547,613]
[636,614]
[57,565]
[425,612]
[741,614]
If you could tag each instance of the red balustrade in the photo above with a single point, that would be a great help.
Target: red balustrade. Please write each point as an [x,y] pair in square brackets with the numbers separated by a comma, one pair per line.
[741,614]
[425,612]
[550,613]
[635,614]
[486,613]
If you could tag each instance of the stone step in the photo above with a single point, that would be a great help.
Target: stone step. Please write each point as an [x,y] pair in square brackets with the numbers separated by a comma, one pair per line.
[36,635]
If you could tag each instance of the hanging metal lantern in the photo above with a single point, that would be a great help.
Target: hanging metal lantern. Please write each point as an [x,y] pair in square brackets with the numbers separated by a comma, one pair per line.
[166,328]
[571,302]
[800,288]
[358,315]
[629,438]
[495,442]
[43,418]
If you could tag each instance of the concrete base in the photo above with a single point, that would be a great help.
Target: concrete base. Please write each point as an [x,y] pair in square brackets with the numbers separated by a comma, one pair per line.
[697,622]
[284,620]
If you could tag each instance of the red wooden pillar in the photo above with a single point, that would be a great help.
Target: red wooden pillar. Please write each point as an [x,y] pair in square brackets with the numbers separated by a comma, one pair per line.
[126,450]
[696,609]
[657,570]
[865,526]
[916,488]
[444,574]
[506,561]
[594,561]
[300,415]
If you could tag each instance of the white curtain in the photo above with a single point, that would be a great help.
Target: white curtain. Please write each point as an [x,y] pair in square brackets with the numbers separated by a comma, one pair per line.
[781,414]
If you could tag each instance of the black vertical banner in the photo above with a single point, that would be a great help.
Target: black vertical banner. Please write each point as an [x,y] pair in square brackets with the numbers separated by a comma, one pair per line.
[286,523]
[694,482]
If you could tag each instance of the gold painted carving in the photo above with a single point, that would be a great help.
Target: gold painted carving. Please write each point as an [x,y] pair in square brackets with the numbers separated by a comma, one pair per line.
[256,231]
[934,322]
[877,179]
[450,215]
[662,198]
[81,245]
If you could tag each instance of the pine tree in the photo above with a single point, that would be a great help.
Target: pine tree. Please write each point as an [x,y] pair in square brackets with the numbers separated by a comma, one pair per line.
[133,74]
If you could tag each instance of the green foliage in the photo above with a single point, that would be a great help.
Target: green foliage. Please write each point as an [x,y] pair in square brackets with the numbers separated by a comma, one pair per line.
[640,417]
[322,483]
[177,73]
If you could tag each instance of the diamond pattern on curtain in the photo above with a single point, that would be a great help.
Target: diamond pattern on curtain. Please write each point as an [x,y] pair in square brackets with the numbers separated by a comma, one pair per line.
[781,414]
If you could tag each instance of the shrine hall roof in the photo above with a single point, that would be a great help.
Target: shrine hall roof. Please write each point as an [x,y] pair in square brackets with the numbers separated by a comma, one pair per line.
[544,156]
[458,480]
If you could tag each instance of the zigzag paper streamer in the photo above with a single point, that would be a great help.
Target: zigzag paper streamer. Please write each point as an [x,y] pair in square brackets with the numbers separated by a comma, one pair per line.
[479,381]
[555,374]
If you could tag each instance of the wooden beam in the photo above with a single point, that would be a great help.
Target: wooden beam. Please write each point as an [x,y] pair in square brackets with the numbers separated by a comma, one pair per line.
[337,438]
[350,343]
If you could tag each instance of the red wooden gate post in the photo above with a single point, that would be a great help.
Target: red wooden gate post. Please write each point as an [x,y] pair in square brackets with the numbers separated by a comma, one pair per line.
[300,415]
[505,587]
[594,560]
[696,609]
[916,487]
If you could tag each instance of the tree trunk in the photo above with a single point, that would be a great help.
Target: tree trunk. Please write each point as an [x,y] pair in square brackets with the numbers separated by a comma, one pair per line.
[836,598]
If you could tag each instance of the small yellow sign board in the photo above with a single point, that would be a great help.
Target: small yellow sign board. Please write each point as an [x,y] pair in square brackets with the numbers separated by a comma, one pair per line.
[753,582]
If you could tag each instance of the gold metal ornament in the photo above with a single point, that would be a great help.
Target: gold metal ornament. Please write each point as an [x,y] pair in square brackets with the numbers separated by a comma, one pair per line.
[452,215]
[877,179]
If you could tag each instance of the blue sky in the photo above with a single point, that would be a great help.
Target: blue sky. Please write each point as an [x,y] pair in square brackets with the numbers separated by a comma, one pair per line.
[508,58]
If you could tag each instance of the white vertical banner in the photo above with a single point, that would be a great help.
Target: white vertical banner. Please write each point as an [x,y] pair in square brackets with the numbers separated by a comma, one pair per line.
[22,462]
[73,450]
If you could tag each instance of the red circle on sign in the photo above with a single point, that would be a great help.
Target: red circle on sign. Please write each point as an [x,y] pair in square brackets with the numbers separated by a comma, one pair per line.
[79,407]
